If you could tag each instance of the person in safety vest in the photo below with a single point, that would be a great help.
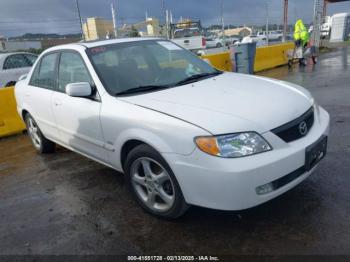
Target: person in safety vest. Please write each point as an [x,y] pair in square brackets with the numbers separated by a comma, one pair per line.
[301,35]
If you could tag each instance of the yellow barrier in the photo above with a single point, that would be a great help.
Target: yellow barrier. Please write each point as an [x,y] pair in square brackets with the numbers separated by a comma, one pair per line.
[271,56]
[221,61]
[10,121]
[266,57]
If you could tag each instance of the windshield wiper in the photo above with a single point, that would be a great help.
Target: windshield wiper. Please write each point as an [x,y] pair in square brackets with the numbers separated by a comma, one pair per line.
[141,89]
[194,78]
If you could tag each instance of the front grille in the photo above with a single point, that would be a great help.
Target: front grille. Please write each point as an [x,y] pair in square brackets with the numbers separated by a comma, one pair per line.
[291,130]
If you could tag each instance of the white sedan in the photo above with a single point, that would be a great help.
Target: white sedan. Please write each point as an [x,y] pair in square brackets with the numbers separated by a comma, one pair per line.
[183,132]
[14,65]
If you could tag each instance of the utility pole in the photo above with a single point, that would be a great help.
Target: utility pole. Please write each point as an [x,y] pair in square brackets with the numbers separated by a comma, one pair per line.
[79,16]
[222,23]
[267,22]
[317,22]
[325,2]
[285,20]
[167,20]
[114,21]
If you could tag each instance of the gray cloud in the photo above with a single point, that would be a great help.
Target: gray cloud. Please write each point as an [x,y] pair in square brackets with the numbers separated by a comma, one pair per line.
[59,16]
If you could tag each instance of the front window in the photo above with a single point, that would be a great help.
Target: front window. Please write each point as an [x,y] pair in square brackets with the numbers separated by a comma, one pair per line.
[160,63]
[71,70]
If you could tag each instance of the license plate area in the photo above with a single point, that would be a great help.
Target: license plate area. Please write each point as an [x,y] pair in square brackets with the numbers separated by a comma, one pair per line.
[315,153]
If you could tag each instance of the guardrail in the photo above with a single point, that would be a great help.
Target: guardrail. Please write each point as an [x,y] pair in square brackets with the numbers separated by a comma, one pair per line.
[10,121]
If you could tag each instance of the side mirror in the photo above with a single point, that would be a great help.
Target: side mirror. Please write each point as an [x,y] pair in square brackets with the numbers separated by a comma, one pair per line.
[81,89]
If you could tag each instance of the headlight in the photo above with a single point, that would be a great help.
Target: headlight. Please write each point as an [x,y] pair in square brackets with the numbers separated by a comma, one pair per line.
[233,145]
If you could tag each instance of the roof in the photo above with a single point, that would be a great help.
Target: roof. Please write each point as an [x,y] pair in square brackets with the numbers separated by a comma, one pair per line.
[80,45]
[14,53]
[115,41]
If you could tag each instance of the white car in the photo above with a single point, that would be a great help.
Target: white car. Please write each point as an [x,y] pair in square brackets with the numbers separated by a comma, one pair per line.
[14,65]
[212,42]
[183,132]
[260,41]
[272,35]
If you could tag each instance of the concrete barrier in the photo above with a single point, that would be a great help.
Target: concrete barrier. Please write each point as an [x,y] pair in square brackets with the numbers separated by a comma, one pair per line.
[10,121]
[221,61]
[268,57]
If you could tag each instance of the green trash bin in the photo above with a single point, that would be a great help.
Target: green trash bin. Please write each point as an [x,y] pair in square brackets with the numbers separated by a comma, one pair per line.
[245,57]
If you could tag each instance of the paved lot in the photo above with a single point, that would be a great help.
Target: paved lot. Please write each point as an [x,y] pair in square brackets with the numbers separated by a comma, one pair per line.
[66,204]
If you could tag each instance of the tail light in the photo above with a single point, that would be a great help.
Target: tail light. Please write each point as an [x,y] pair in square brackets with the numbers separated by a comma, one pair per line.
[203,41]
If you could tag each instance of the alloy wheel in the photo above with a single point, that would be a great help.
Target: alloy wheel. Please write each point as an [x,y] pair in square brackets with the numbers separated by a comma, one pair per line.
[152,184]
[33,131]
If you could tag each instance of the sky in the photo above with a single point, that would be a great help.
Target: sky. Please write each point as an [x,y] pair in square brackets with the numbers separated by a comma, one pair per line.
[59,16]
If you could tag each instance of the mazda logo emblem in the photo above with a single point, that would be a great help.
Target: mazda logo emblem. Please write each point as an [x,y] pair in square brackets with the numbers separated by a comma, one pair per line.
[303,128]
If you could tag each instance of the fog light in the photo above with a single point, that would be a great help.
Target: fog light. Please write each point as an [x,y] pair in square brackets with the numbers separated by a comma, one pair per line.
[264,189]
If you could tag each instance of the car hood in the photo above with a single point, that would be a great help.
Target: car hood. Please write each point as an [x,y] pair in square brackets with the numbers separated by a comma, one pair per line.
[230,103]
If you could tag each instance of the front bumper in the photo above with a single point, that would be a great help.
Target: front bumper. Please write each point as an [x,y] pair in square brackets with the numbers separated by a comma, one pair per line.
[230,184]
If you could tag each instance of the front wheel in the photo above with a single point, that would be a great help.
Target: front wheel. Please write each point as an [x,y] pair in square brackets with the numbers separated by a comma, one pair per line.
[153,184]
[40,143]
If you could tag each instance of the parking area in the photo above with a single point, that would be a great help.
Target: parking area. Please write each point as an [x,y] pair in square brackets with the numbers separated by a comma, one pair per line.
[64,203]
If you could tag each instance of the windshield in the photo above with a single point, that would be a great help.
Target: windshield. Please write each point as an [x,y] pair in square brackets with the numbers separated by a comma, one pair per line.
[130,65]
[187,32]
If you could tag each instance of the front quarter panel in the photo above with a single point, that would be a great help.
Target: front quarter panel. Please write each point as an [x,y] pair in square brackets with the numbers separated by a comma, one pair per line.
[122,121]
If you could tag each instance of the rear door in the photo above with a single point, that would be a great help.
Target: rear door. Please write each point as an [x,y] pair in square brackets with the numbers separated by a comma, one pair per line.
[78,118]
[38,94]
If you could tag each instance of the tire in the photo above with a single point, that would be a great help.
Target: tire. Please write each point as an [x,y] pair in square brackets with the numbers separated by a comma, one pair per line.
[40,143]
[151,182]
[218,45]
[290,63]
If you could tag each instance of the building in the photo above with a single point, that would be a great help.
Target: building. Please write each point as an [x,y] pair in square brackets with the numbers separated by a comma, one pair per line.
[97,28]
[241,31]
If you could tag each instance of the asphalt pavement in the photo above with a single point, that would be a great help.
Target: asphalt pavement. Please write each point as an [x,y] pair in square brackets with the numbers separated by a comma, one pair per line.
[64,203]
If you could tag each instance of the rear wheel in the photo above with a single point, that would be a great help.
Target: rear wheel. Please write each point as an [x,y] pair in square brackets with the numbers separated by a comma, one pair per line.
[218,45]
[40,143]
[153,184]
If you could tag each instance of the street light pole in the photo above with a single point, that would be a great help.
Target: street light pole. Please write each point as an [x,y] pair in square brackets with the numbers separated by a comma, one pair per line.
[79,16]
